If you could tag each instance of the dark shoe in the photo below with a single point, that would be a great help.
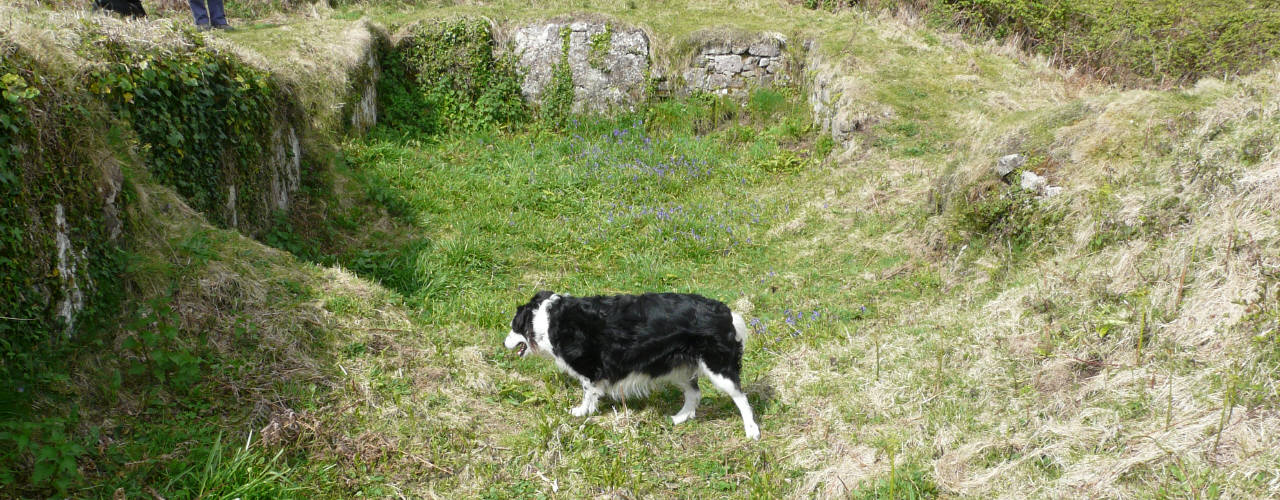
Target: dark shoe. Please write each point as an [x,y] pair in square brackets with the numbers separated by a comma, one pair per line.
[224,27]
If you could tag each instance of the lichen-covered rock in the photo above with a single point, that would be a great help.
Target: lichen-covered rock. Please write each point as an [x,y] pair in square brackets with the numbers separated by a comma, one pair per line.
[1009,163]
[609,61]
[1038,184]
[767,48]
[364,115]
[835,104]
[726,64]
[286,167]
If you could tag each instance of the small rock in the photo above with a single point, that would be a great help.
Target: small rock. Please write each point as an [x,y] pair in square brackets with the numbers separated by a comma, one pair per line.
[695,78]
[767,48]
[716,81]
[716,49]
[729,64]
[1051,191]
[1009,163]
[1033,182]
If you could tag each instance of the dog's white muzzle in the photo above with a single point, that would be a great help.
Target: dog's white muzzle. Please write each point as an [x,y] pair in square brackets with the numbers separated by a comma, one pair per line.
[514,340]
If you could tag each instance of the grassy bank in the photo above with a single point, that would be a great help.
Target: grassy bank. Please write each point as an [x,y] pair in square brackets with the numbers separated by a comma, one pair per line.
[1131,42]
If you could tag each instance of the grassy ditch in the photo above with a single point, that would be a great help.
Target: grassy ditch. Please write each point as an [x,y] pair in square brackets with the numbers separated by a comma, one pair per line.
[920,328]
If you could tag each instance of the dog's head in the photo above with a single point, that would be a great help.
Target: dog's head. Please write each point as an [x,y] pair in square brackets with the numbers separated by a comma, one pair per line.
[522,335]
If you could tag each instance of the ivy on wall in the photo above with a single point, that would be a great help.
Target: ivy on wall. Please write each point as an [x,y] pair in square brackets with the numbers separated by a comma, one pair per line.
[557,98]
[200,119]
[23,303]
[444,76]
[49,135]
[204,122]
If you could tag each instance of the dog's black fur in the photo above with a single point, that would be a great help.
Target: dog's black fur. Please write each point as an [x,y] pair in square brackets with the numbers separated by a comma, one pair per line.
[610,337]
[127,8]
[603,340]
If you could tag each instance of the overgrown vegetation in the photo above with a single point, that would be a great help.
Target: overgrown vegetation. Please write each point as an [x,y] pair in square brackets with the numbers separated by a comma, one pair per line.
[57,259]
[444,76]
[557,99]
[1163,42]
[204,121]
[75,260]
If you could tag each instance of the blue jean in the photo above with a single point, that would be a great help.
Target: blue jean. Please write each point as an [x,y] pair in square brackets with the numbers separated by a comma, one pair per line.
[202,15]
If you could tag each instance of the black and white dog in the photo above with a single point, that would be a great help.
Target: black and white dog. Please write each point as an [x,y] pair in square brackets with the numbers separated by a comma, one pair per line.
[620,345]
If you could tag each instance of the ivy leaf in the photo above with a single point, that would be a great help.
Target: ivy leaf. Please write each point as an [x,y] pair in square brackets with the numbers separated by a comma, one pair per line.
[175,138]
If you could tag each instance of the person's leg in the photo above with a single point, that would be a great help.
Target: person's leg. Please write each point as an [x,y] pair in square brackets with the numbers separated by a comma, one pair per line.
[216,14]
[199,12]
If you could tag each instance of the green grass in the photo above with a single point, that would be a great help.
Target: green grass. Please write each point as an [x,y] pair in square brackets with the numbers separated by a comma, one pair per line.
[608,205]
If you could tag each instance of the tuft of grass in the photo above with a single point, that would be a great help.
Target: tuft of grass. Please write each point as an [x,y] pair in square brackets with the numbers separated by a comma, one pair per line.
[239,472]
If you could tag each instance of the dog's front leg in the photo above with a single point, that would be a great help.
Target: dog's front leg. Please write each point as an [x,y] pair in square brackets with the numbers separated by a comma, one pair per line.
[590,395]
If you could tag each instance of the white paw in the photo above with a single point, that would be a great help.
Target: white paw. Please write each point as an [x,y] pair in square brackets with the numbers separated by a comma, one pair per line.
[681,418]
[753,431]
[580,411]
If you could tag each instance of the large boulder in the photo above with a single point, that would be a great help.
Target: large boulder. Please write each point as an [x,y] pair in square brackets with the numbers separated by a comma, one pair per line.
[609,61]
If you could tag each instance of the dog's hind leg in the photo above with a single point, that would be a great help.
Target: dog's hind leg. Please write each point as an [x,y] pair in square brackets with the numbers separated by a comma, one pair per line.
[692,396]
[590,395]
[730,385]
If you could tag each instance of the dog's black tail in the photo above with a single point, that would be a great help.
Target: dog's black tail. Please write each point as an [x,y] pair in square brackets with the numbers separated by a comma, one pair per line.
[740,328]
